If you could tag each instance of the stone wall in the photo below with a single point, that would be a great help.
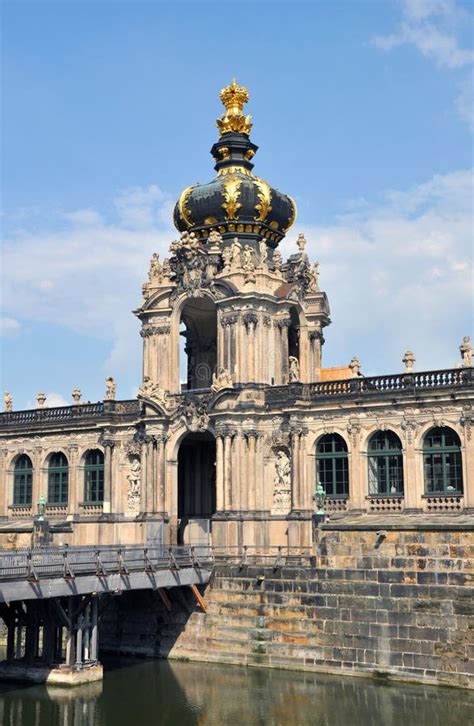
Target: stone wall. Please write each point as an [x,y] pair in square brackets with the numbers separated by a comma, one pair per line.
[392,604]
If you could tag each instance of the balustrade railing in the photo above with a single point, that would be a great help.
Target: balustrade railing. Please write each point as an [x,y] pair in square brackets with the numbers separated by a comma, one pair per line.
[62,414]
[403,382]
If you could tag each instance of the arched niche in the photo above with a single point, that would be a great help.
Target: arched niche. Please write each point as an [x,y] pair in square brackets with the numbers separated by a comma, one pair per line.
[198,330]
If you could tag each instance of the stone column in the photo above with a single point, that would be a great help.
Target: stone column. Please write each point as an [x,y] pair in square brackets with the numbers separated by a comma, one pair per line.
[219,472]
[305,485]
[413,487]
[227,470]
[251,441]
[37,476]
[295,469]
[160,494]
[357,496]
[75,485]
[108,445]
[4,494]
[144,474]
[150,474]
[467,453]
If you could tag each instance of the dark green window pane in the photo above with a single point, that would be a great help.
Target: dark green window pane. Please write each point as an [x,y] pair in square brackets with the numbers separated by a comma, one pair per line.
[385,464]
[23,481]
[94,477]
[442,461]
[332,465]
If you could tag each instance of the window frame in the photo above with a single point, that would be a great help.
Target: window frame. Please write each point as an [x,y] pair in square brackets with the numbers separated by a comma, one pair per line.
[93,479]
[380,465]
[62,485]
[23,482]
[333,457]
[445,452]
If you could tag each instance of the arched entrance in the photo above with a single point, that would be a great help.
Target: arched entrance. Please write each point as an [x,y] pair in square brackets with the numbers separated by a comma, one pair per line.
[196,488]
[199,318]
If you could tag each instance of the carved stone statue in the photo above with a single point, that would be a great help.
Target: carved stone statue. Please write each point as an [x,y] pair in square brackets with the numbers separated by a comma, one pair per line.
[236,249]
[156,269]
[248,263]
[7,401]
[111,389]
[355,366]
[215,238]
[409,361]
[76,396]
[277,261]
[263,252]
[151,390]
[221,379]
[313,284]
[40,399]
[301,242]
[134,488]
[294,369]
[227,256]
[282,483]
[466,352]
[194,415]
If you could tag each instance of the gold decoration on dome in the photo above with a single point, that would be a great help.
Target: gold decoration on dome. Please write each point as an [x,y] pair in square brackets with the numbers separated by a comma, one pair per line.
[224,152]
[231,194]
[292,217]
[183,210]
[233,98]
[264,195]
[249,154]
[235,169]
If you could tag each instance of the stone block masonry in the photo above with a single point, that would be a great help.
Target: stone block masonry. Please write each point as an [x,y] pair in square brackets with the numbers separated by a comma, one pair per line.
[391,604]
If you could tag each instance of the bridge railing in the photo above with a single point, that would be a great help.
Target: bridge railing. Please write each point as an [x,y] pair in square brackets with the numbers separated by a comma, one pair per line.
[69,562]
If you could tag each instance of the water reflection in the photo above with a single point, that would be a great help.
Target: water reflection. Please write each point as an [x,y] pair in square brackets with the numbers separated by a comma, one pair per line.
[161,693]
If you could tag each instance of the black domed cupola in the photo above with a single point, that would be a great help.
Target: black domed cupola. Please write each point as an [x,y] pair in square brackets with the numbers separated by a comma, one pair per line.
[236,202]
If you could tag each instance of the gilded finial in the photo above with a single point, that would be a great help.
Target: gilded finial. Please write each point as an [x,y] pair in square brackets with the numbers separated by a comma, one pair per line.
[233,98]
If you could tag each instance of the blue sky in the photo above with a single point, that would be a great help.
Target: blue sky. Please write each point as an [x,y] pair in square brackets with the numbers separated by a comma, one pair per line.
[361,111]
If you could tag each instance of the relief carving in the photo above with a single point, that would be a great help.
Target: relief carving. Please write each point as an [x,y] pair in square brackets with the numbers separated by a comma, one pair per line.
[282,483]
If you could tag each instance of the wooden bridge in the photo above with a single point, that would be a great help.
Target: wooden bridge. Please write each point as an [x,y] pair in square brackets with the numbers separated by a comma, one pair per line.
[49,601]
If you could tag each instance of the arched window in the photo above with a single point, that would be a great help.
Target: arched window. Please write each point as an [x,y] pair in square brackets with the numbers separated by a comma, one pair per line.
[332,465]
[58,479]
[23,480]
[442,461]
[94,476]
[385,464]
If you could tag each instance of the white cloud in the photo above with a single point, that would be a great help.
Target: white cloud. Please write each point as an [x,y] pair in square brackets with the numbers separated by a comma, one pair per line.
[55,399]
[86,274]
[397,273]
[9,326]
[399,276]
[435,28]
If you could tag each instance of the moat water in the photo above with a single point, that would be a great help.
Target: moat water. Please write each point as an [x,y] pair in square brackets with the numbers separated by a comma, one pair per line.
[167,693]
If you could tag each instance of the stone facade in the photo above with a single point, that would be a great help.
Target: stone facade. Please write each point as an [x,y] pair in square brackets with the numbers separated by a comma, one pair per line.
[393,604]
[234,454]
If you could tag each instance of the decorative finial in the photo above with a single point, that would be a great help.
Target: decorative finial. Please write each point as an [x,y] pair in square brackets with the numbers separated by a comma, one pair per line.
[409,360]
[110,389]
[355,366]
[76,396]
[233,98]
[7,402]
[40,400]
[466,351]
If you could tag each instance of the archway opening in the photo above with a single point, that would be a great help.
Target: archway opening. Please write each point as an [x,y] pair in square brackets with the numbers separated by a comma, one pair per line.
[196,488]
[294,346]
[199,317]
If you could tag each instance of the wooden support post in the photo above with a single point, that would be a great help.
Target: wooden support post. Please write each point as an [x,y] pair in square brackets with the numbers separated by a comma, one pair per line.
[165,599]
[94,629]
[70,635]
[79,641]
[19,636]
[86,633]
[11,640]
[199,598]
[49,628]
